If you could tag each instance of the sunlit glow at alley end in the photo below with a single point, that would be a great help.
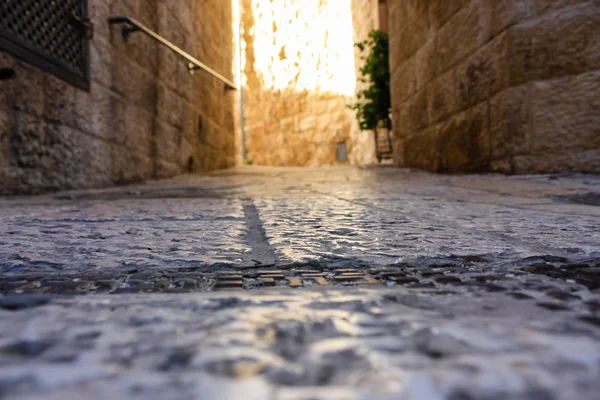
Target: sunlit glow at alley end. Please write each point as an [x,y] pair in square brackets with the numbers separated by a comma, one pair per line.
[301,45]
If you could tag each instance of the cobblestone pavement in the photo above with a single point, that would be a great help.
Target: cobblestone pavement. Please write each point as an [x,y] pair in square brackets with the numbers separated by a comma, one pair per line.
[332,283]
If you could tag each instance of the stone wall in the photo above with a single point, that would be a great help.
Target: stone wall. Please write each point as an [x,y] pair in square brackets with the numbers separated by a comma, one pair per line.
[144,115]
[496,85]
[299,77]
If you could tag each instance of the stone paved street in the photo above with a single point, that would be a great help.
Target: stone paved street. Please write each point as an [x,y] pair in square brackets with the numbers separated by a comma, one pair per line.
[331,283]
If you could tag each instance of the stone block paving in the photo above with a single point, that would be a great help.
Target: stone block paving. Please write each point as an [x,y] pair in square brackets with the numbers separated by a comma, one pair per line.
[333,283]
[92,234]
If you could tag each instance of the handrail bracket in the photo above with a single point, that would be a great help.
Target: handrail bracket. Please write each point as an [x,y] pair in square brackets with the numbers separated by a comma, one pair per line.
[127,30]
[192,68]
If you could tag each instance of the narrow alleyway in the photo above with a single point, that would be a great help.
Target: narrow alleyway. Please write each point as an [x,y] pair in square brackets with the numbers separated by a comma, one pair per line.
[283,283]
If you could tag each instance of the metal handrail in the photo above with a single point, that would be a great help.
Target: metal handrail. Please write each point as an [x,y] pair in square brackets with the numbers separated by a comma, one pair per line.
[131,25]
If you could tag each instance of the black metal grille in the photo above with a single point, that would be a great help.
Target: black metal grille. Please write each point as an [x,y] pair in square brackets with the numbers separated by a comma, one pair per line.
[51,34]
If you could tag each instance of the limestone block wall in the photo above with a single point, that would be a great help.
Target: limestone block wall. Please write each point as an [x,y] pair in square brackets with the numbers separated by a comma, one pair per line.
[144,115]
[496,85]
[299,76]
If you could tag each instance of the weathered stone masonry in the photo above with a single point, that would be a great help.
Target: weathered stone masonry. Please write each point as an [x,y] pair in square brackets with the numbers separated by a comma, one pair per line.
[292,124]
[496,85]
[144,115]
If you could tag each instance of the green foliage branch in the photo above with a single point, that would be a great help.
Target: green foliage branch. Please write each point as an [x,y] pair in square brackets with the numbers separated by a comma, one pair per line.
[373,102]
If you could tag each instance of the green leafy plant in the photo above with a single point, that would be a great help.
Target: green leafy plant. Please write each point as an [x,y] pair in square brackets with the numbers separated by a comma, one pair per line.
[374,101]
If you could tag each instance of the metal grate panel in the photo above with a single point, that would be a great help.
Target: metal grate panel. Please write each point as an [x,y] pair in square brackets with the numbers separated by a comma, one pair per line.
[50,34]
[342,152]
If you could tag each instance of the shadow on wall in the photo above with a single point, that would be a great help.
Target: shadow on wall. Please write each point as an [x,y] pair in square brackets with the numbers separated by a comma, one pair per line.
[496,86]
[299,76]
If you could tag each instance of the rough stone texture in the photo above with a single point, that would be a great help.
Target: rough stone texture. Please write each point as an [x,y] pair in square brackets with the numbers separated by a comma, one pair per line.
[299,77]
[143,117]
[515,81]
[362,284]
